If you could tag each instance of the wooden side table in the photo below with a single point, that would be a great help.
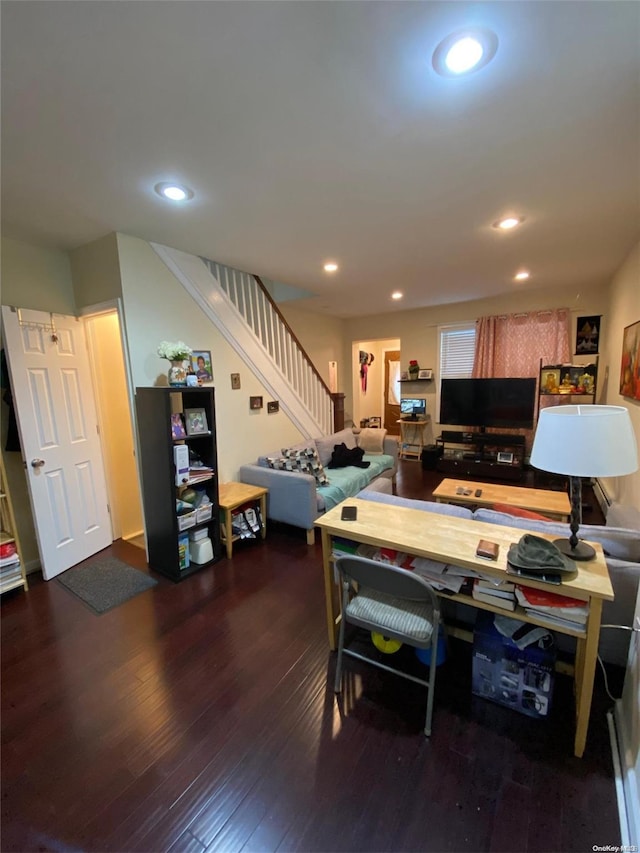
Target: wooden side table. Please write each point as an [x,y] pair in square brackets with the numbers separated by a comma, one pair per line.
[412,437]
[230,497]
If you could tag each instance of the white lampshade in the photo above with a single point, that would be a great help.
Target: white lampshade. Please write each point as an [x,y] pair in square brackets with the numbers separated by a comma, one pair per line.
[585,441]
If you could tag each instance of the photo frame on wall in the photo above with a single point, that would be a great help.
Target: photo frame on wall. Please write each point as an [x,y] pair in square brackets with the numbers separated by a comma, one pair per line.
[588,334]
[273,406]
[235,381]
[255,402]
[630,362]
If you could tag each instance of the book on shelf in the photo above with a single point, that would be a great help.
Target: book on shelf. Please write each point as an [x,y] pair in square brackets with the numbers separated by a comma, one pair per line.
[503,590]
[495,600]
[556,619]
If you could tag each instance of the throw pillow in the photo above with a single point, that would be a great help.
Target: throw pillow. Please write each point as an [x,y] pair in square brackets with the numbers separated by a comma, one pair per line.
[372,441]
[307,461]
[520,513]
[325,445]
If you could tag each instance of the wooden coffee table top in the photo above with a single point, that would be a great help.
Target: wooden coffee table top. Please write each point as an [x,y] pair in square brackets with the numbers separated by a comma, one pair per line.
[553,504]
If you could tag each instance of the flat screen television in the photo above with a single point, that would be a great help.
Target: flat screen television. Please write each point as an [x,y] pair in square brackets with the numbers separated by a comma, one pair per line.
[501,403]
[413,407]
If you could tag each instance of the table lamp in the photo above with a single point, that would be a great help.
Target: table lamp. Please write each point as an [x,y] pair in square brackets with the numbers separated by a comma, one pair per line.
[583,441]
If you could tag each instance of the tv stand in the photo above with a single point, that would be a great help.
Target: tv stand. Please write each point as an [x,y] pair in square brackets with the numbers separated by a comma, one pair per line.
[482,454]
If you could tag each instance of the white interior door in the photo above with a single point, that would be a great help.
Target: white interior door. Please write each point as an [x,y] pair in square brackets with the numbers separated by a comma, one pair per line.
[52,391]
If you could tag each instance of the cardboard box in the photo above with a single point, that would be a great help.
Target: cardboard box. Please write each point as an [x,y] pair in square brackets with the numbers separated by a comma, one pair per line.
[519,678]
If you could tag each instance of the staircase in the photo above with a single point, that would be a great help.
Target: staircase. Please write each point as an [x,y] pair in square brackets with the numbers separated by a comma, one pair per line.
[244,313]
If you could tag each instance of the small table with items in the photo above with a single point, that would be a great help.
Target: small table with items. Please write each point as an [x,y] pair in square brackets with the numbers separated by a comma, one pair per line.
[454,540]
[552,504]
[231,496]
[412,437]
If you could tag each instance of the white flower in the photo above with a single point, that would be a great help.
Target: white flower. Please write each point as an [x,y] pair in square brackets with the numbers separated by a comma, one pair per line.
[177,351]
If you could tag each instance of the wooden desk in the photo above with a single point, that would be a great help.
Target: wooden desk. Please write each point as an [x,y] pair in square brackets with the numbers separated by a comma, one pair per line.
[553,504]
[412,437]
[230,497]
[454,540]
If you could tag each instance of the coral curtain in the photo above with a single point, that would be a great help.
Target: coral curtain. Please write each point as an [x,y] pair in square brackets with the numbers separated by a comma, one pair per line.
[512,345]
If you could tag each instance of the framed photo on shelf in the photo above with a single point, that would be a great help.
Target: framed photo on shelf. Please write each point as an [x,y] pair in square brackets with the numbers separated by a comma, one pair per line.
[375,423]
[201,365]
[255,402]
[504,456]
[404,376]
[425,373]
[177,426]
[273,406]
[196,420]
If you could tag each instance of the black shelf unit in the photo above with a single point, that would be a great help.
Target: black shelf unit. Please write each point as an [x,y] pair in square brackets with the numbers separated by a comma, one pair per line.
[477,454]
[154,407]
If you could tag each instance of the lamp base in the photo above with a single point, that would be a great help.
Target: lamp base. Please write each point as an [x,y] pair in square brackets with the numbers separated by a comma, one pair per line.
[582,551]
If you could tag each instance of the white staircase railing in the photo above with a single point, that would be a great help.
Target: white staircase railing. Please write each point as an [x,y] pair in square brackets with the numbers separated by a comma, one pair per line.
[237,304]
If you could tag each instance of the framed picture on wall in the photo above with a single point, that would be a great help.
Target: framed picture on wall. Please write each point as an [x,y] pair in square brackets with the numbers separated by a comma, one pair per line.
[587,335]
[630,362]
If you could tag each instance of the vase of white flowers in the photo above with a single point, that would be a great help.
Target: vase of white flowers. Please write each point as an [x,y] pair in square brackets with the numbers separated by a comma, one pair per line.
[177,353]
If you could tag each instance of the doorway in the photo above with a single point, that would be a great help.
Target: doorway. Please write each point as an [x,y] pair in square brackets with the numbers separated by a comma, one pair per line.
[370,377]
[391,391]
[114,409]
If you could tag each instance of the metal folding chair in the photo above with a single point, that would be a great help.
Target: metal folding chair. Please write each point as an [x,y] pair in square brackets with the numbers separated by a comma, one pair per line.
[395,603]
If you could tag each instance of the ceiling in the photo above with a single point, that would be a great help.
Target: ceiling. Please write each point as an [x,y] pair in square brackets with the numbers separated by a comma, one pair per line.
[315,131]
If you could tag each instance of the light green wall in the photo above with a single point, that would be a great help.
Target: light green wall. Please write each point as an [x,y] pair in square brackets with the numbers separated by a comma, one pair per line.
[33,277]
[157,308]
[96,272]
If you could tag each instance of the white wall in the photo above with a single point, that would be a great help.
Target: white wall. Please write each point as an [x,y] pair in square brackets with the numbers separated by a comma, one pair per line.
[624,310]
[322,339]
[418,329]
[157,308]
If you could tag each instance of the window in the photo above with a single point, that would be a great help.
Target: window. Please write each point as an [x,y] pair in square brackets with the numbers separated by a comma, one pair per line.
[457,346]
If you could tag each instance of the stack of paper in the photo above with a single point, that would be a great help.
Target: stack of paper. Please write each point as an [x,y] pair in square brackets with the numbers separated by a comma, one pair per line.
[553,608]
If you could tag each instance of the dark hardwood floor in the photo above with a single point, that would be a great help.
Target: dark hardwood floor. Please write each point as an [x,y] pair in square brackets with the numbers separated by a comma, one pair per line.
[198,716]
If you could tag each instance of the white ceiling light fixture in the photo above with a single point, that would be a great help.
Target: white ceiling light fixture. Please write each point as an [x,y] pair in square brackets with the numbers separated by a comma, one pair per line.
[508,223]
[523,275]
[330,267]
[464,51]
[397,294]
[173,192]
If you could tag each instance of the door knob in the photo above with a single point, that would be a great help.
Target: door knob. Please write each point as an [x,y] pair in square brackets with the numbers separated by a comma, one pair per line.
[37,463]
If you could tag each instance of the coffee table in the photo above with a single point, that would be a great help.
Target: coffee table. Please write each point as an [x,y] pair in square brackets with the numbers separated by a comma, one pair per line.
[553,504]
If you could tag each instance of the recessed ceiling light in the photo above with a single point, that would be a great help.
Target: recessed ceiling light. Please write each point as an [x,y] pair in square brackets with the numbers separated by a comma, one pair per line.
[173,192]
[331,267]
[396,295]
[508,223]
[523,275]
[464,51]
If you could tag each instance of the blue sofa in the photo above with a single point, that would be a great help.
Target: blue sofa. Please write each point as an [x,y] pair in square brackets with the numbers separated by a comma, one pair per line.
[296,499]
[622,552]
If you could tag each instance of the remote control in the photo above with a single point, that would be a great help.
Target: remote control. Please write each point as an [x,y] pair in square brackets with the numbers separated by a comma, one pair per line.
[478,492]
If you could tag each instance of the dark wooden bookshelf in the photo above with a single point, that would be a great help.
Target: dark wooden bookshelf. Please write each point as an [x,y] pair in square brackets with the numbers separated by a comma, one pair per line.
[154,407]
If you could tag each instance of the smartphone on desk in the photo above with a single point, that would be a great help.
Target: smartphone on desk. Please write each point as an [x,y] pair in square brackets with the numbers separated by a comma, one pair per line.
[349,513]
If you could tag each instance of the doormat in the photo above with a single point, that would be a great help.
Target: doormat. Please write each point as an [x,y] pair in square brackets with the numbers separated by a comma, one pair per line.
[105,582]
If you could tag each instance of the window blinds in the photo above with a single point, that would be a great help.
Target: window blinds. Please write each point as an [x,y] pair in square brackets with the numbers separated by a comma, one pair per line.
[457,346]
